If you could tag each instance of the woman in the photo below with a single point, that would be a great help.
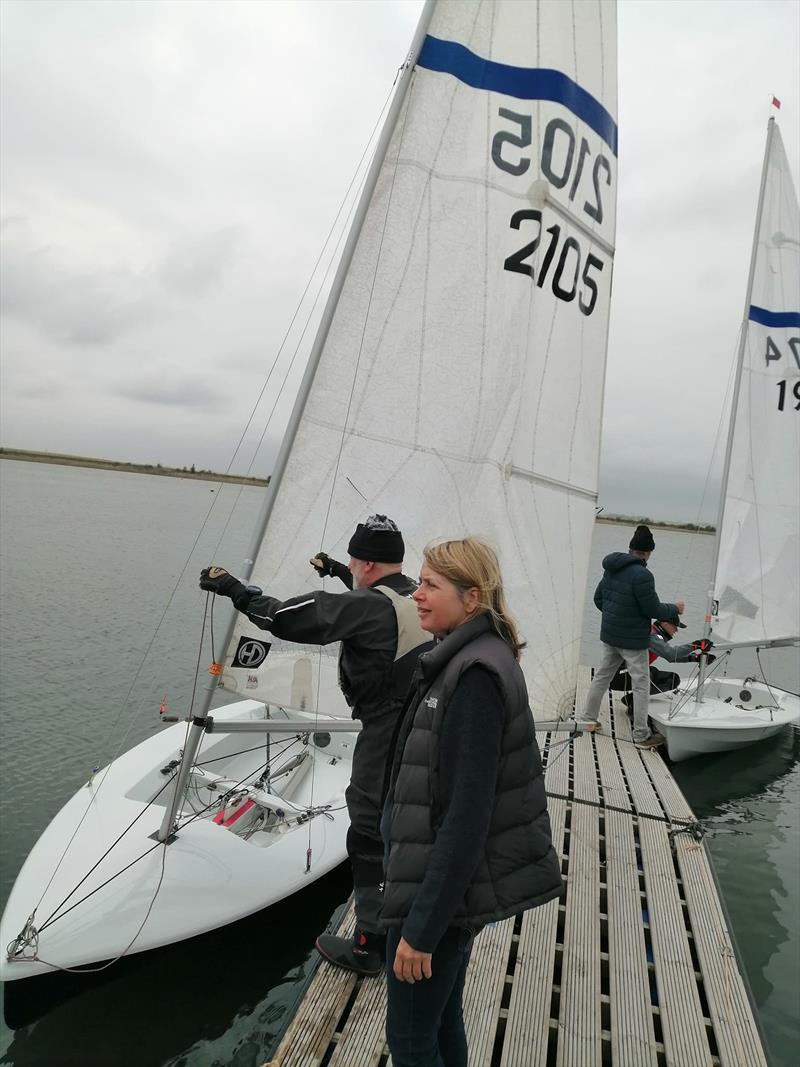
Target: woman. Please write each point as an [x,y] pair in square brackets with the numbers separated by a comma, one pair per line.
[465,823]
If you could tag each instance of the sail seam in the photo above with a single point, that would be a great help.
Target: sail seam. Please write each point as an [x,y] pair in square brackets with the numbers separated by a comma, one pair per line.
[525,197]
[505,469]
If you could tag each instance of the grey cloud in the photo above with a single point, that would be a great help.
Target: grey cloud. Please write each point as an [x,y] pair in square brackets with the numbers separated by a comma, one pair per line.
[178,391]
[216,139]
[193,265]
[95,307]
[69,304]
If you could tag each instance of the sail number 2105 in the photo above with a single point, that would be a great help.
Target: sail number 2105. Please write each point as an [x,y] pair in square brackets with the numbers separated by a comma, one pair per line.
[564,279]
[560,261]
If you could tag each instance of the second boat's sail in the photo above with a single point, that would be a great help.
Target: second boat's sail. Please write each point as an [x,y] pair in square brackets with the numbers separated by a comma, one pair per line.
[460,386]
[759,555]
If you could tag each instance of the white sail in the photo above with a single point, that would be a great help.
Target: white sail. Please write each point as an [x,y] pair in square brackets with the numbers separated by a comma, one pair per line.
[460,385]
[756,583]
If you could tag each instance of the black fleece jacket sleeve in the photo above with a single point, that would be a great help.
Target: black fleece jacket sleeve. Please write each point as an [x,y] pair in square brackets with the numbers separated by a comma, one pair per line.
[469,756]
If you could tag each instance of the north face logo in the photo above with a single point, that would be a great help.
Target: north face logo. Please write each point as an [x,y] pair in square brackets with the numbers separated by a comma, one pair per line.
[432,702]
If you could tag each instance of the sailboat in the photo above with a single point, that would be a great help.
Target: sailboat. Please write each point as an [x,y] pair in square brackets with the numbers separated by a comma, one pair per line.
[753,599]
[456,383]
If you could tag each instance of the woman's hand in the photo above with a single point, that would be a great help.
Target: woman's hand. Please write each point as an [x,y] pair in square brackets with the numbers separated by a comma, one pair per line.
[410,965]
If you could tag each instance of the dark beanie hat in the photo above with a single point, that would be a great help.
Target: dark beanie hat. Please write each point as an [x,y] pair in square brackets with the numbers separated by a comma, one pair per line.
[642,540]
[377,541]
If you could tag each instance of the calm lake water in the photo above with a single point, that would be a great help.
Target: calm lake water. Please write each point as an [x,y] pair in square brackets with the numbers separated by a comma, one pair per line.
[88,559]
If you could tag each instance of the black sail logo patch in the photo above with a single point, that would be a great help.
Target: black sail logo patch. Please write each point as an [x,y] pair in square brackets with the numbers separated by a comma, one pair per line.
[251,653]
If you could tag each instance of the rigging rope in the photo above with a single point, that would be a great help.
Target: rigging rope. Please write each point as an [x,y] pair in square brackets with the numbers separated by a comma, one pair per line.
[326,249]
[56,914]
[346,420]
[126,702]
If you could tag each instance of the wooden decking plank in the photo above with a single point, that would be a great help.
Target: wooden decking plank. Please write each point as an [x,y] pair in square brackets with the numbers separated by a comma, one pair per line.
[556,775]
[633,1042]
[645,798]
[685,1038]
[673,1033]
[309,1033]
[483,989]
[528,1022]
[675,804]
[584,770]
[363,1036]
[579,1022]
[615,791]
[738,1039]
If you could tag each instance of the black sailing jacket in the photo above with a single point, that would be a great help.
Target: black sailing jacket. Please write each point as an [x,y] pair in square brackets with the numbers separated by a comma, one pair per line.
[379,631]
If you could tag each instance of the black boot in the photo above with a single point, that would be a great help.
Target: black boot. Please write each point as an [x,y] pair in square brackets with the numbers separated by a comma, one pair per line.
[364,953]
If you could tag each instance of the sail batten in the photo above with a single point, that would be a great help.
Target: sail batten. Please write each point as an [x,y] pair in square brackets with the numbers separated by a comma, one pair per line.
[459,388]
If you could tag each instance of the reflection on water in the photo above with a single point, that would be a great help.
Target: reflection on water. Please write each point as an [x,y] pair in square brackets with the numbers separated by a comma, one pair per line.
[748,803]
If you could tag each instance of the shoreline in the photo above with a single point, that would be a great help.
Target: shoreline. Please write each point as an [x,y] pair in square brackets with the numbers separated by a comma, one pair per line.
[657,524]
[59,459]
[66,460]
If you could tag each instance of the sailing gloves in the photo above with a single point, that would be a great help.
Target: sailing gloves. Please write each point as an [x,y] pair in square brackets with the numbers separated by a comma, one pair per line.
[701,647]
[331,568]
[217,580]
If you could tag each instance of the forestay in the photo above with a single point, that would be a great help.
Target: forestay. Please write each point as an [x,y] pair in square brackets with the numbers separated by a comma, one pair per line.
[759,555]
[460,386]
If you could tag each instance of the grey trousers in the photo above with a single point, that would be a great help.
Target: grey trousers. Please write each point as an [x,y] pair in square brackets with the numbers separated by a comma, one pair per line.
[637,662]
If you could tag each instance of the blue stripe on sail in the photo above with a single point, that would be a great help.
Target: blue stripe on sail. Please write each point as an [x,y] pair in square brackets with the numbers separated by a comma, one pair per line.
[777,319]
[526,83]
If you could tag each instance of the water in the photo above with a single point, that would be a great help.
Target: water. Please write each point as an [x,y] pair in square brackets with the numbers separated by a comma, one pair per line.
[88,559]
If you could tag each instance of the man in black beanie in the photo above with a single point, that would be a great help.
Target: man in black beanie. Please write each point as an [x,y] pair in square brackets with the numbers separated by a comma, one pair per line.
[381,639]
[626,595]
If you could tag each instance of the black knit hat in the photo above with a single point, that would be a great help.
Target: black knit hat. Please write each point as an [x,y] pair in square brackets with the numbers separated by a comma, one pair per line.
[642,540]
[377,541]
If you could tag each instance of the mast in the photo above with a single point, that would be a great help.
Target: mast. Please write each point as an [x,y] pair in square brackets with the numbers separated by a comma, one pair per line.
[199,720]
[734,405]
[336,288]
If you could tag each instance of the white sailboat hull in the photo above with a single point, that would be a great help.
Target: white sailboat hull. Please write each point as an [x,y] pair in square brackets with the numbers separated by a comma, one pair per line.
[152,894]
[734,714]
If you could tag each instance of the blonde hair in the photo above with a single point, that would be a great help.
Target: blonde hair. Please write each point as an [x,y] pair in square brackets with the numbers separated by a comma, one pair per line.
[468,564]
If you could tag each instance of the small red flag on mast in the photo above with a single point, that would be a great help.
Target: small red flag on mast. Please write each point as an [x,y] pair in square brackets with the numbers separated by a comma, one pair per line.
[776,103]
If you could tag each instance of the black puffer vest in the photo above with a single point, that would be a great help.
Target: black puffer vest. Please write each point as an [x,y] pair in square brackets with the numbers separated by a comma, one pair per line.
[519,868]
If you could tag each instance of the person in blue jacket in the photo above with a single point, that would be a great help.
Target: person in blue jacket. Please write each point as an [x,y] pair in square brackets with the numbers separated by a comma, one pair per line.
[660,647]
[627,598]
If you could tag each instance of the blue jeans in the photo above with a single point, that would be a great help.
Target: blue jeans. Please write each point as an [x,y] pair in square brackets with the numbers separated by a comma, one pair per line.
[424,1020]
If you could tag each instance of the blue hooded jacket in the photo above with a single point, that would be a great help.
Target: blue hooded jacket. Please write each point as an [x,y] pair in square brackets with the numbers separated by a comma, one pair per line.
[627,597]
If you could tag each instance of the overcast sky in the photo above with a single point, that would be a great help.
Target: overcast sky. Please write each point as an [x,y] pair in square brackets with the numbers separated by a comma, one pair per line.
[170,171]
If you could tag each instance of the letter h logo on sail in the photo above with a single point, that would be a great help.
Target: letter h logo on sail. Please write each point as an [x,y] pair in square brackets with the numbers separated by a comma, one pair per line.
[250,653]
